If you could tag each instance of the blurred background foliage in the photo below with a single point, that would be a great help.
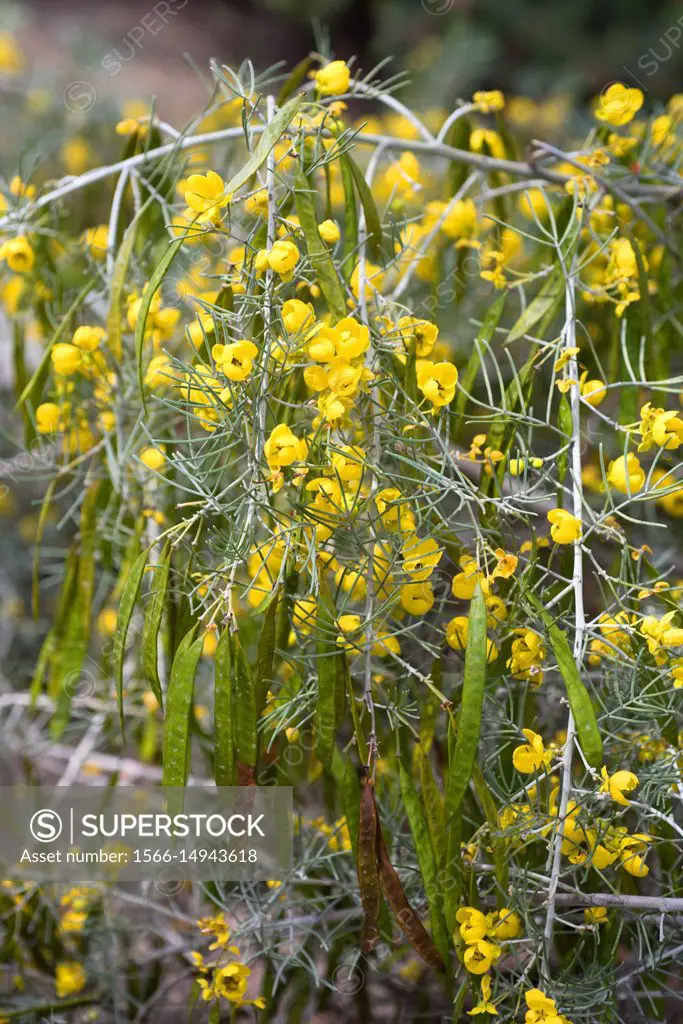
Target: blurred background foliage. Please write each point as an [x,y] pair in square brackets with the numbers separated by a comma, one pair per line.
[534,47]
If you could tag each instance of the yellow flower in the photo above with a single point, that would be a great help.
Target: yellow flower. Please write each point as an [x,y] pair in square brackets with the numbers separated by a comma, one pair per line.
[479,956]
[457,631]
[348,463]
[236,360]
[565,528]
[159,371]
[296,315]
[106,621]
[531,756]
[132,126]
[565,357]
[420,557]
[73,921]
[153,458]
[11,57]
[533,201]
[507,565]
[626,475]
[595,915]
[660,633]
[18,254]
[461,219]
[257,203]
[304,614]
[231,981]
[75,155]
[489,102]
[473,924]
[542,1009]
[496,611]
[21,189]
[70,978]
[88,338]
[206,195]
[343,379]
[618,105]
[351,338]
[630,850]
[47,418]
[618,784]
[527,654]
[484,1005]
[333,79]
[484,139]
[593,391]
[348,625]
[96,240]
[621,145]
[322,346]
[465,582]
[660,427]
[283,257]
[437,381]
[677,673]
[417,598]
[402,177]
[66,358]
[374,278]
[216,926]
[417,336]
[283,447]
[394,510]
[506,924]
[329,232]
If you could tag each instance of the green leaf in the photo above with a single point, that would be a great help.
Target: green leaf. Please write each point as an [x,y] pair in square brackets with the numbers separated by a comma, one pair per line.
[224,742]
[350,247]
[176,745]
[579,699]
[469,717]
[296,78]
[152,623]
[564,422]
[458,138]
[49,654]
[426,858]
[270,136]
[118,284]
[129,596]
[549,298]
[86,565]
[347,780]
[152,288]
[498,844]
[70,656]
[40,530]
[266,651]
[40,372]
[327,666]
[433,805]
[318,252]
[372,221]
[245,708]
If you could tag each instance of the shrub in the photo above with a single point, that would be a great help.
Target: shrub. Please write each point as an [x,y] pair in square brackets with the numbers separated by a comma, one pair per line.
[387,415]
